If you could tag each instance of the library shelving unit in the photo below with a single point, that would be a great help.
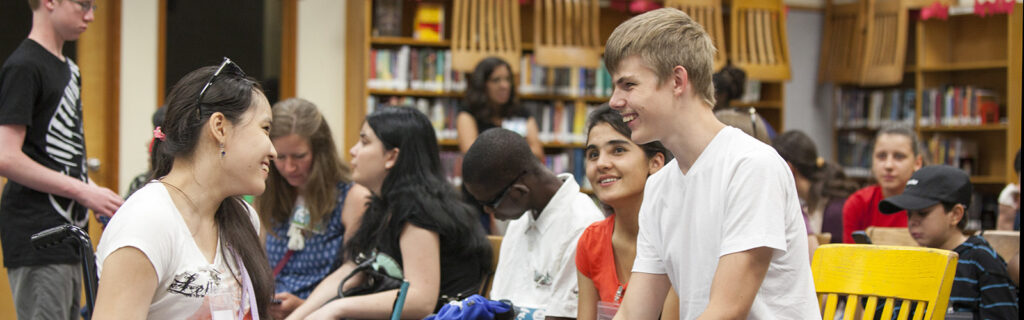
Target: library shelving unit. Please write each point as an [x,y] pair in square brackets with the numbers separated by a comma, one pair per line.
[361,41]
[965,75]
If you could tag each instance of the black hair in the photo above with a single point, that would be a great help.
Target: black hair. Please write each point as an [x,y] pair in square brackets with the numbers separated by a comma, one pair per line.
[416,191]
[729,83]
[948,207]
[477,98]
[158,120]
[828,179]
[230,94]
[605,114]
[497,155]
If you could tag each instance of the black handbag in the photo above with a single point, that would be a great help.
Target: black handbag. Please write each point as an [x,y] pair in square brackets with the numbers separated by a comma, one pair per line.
[382,274]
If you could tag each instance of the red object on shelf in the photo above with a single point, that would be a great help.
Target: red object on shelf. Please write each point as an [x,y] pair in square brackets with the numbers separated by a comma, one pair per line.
[991,7]
[935,10]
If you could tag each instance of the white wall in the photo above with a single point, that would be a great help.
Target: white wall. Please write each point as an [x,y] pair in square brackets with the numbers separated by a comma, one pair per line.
[806,109]
[320,61]
[138,86]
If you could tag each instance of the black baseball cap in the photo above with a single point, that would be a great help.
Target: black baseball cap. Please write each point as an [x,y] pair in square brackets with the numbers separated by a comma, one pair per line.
[929,186]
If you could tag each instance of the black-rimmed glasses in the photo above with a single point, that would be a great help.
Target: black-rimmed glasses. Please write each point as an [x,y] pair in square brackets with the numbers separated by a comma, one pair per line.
[496,202]
[223,65]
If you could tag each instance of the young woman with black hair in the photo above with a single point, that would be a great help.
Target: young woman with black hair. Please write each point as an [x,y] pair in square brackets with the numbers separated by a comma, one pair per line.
[412,217]
[491,102]
[186,245]
[618,169]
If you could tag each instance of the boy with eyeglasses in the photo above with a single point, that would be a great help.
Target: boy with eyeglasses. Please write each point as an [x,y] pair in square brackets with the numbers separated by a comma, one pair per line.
[537,265]
[936,199]
[42,153]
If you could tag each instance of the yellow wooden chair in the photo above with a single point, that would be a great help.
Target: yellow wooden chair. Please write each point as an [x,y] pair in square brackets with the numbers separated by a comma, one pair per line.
[921,277]
[496,250]
[891,236]
[1006,243]
[708,13]
[757,42]
[482,29]
[565,33]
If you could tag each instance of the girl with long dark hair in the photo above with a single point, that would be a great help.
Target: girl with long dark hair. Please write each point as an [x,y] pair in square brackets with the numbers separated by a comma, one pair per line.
[413,217]
[186,245]
[491,102]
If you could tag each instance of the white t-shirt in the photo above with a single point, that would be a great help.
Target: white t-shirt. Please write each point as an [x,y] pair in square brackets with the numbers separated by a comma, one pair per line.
[738,195]
[537,265]
[150,222]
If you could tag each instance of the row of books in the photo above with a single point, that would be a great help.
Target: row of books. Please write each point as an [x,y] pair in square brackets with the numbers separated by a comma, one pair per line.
[407,68]
[954,151]
[857,108]
[556,121]
[959,105]
[428,20]
[430,69]
[854,153]
[575,82]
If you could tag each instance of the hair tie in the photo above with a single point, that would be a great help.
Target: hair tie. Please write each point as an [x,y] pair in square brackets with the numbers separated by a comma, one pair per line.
[820,162]
[158,134]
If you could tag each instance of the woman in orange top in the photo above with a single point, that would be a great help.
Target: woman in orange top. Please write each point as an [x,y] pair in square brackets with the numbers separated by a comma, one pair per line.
[617,169]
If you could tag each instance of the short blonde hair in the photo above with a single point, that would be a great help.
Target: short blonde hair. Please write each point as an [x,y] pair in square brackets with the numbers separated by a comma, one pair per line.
[666,38]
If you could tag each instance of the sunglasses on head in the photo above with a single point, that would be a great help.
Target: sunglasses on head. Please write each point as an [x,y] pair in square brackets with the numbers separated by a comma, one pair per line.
[228,65]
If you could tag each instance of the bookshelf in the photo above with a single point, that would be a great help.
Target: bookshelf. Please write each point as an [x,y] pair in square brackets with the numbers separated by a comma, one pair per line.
[964,74]
[363,45]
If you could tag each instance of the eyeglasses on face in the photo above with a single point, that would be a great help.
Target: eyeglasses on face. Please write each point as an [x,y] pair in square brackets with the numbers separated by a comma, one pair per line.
[85,5]
[496,202]
[227,64]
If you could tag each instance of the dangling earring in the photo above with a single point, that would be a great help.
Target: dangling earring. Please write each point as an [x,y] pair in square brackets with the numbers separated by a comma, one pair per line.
[222,151]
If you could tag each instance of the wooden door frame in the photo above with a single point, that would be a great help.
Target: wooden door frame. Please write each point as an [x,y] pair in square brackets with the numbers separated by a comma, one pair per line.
[289,34]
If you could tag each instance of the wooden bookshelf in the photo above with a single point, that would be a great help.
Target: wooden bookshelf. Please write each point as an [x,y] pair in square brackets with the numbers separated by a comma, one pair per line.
[407,41]
[361,41]
[964,66]
[967,50]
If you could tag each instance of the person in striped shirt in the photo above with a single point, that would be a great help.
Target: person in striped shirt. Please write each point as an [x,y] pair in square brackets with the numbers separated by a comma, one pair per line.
[936,199]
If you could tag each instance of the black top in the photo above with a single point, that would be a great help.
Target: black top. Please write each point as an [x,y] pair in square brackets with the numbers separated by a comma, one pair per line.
[41,92]
[462,268]
[484,124]
[981,285]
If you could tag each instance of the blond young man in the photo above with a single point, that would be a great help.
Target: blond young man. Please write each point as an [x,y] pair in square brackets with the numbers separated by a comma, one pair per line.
[722,223]
[42,152]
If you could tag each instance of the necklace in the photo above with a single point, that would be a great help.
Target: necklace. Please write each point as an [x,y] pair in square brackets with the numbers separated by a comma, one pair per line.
[191,204]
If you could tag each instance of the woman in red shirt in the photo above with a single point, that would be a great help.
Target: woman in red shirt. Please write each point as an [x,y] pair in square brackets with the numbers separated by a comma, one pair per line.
[895,157]
[617,169]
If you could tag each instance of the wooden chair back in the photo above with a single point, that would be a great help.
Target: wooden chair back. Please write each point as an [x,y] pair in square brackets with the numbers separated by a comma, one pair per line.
[757,41]
[495,252]
[842,42]
[886,45]
[708,13]
[891,236]
[864,42]
[1006,243]
[482,29]
[921,277]
[824,238]
[565,33]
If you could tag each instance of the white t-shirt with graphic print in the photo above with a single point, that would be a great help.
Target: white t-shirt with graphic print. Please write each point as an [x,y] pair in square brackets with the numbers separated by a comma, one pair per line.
[150,222]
